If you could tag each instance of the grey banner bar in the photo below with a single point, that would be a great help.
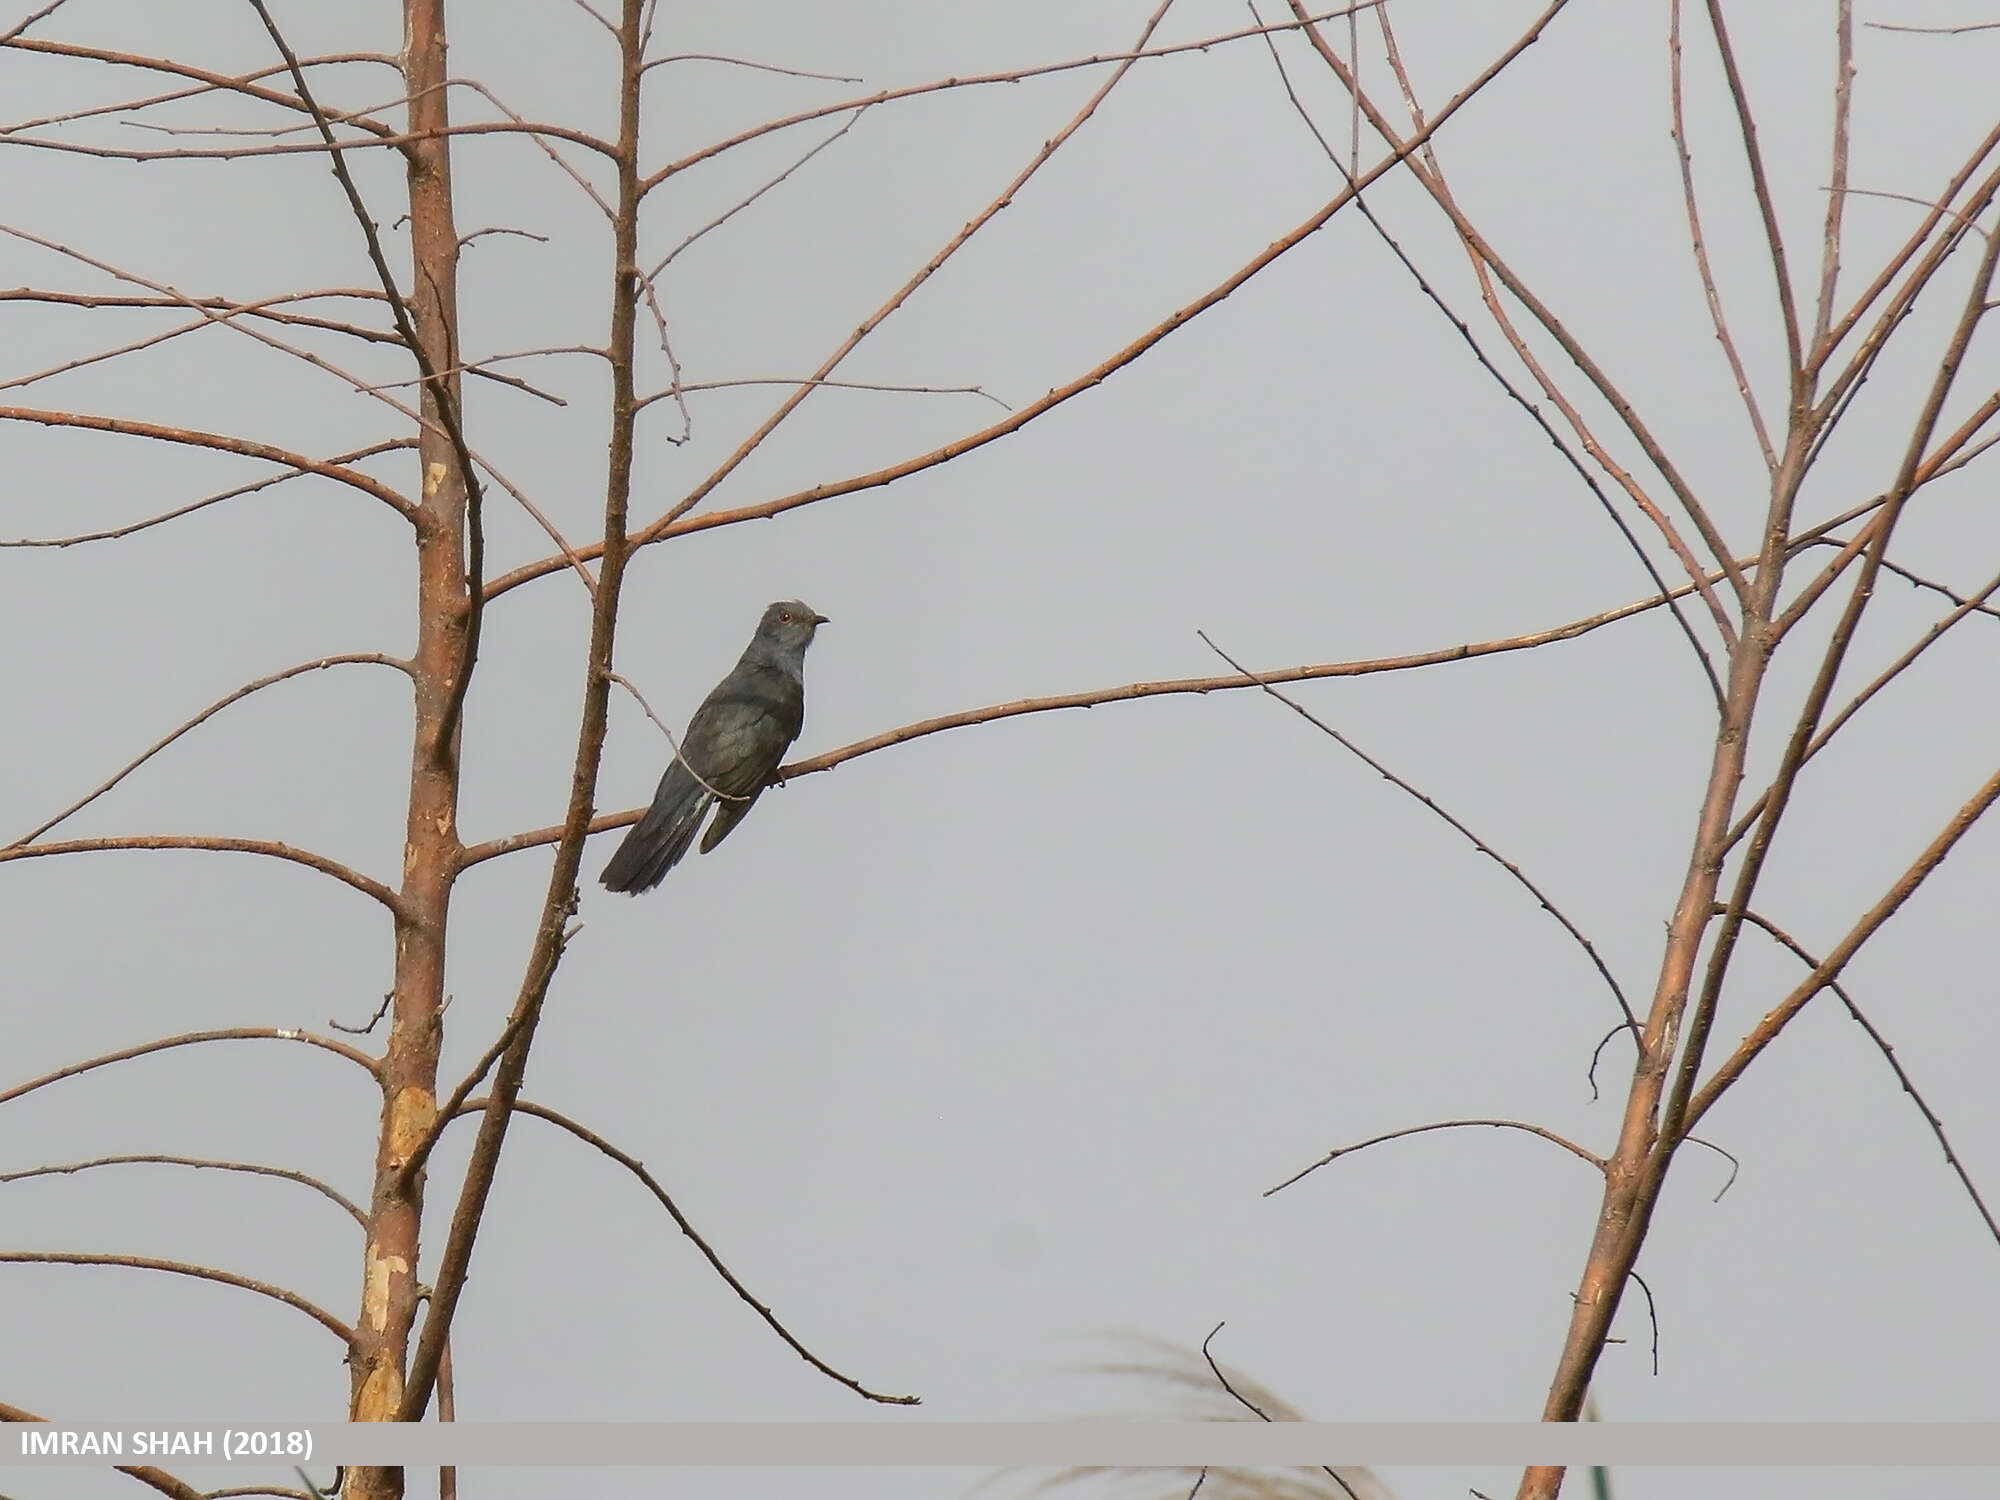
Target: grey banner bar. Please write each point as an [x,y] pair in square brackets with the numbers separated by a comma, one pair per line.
[997,1444]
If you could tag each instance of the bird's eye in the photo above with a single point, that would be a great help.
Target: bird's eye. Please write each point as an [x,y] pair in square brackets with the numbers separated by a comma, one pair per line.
[785,615]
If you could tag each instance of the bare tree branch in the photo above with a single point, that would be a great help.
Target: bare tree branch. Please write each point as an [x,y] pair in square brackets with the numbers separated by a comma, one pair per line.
[1888,1052]
[212,844]
[209,1163]
[182,1268]
[219,442]
[1576,933]
[189,1039]
[1396,1135]
[638,1169]
[354,658]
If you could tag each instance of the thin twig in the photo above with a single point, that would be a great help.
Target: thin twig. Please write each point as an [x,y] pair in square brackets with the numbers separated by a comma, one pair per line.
[1396,1135]
[189,1039]
[1734,1165]
[638,1169]
[352,658]
[1829,968]
[691,387]
[1739,96]
[1262,1415]
[209,1163]
[1575,932]
[1888,1052]
[1652,1316]
[218,442]
[182,1268]
[740,62]
[269,849]
[115,533]
[1691,204]
[661,724]
[736,208]
[388,999]
[1836,204]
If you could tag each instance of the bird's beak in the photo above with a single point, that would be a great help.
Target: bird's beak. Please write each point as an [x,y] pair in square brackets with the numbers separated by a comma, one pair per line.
[821,620]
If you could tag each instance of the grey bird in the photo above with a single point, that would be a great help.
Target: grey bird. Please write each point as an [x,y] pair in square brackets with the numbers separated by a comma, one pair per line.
[733,743]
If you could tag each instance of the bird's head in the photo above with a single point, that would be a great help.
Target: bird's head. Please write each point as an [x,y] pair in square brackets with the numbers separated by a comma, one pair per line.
[789,625]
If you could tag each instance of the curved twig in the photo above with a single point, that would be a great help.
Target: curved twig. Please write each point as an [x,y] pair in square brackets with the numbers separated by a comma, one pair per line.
[1575,932]
[1734,1165]
[214,845]
[65,1169]
[1262,1415]
[1395,1135]
[192,1038]
[1882,1045]
[115,533]
[183,1268]
[353,658]
[220,443]
[638,1169]
[1652,1316]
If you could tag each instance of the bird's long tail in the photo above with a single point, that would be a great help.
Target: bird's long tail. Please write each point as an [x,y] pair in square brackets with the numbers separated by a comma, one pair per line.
[659,839]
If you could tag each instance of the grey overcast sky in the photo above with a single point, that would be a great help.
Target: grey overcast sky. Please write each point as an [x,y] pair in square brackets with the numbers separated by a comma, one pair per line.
[977,1048]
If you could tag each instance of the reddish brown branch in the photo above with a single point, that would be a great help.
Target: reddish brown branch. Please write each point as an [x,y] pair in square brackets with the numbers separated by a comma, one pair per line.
[1739,97]
[182,1268]
[212,844]
[189,1039]
[242,83]
[115,533]
[1710,292]
[1396,1135]
[66,1169]
[356,658]
[218,442]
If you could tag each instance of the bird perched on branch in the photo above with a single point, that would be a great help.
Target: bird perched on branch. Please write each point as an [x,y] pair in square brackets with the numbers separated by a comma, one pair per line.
[733,743]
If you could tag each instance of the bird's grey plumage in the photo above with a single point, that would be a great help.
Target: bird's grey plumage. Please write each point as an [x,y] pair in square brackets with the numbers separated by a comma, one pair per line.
[734,742]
